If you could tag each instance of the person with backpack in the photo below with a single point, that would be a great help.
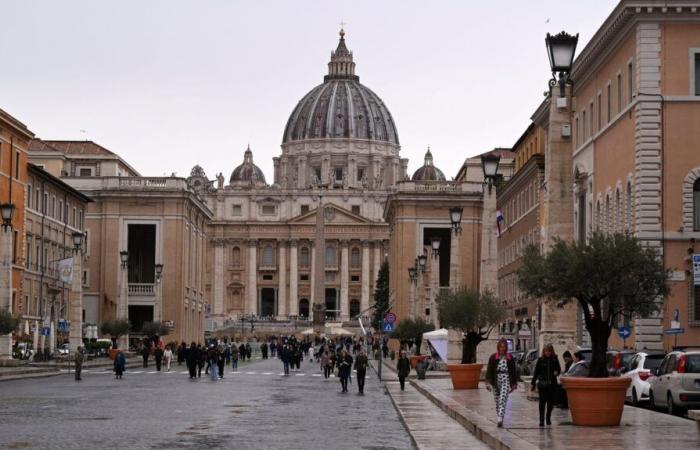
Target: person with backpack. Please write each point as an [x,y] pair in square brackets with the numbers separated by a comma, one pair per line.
[361,364]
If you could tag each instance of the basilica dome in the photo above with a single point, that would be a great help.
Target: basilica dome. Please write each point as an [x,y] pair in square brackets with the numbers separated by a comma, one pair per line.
[341,107]
[428,172]
[247,173]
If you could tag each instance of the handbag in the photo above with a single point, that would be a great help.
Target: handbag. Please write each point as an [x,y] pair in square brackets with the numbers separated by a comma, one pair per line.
[336,371]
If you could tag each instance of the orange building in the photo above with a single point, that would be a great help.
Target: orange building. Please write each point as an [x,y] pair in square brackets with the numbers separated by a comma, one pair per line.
[635,144]
[14,140]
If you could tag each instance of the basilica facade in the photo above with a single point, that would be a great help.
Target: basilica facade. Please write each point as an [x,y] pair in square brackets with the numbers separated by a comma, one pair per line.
[340,143]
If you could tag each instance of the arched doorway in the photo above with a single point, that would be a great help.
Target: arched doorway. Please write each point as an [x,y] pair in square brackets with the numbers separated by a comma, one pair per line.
[331,303]
[267,302]
[304,307]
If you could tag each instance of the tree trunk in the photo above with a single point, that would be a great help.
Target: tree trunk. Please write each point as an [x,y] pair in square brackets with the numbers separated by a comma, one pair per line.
[469,343]
[599,332]
[418,343]
[114,342]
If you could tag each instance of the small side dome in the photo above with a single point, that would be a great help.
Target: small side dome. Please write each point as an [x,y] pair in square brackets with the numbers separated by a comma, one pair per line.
[428,172]
[247,173]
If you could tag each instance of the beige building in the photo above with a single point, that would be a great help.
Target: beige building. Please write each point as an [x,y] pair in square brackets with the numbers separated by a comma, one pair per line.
[54,211]
[157,220]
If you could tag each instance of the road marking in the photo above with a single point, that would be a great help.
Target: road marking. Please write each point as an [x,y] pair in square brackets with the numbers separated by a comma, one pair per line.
[281,374]
[251,373]
[316,375]
[300,374]
[267,373]
[184,372]
[137,372]
[153,372]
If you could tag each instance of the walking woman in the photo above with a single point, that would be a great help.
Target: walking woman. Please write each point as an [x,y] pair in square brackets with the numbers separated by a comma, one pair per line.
[167,358]
[544,378]
[327,363]
[501,378]
[403,367]
[344,368]
[234,357]
[119,365]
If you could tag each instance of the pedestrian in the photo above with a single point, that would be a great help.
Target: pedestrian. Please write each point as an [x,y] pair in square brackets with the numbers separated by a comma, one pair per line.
[221,361]
[201,359]
[208,359]
[79,357]
[241,351]
[181,353]
[167,357]
[579,367]
[273,349]
[263,350]
[361,368]
[403,367]
[248,350]
[234,357]
[145,351]
[501,378]
[344,368]
[119,365]
[562,399]
[158,353]
[544,378]
[192,359]
[285,356]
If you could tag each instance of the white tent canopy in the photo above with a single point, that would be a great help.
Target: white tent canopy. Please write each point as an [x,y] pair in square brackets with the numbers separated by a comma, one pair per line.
[438,340]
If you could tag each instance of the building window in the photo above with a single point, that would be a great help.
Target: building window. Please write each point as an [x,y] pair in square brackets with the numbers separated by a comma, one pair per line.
[590,120]
[630,82]
[628,200]
[269,210]
[236,210]
[696,63]
[17,164]
[331,257]
[355,257]
[583,125]
[85,171]
[86,278]
[338,174]
[317,172]
[15,242]
[304,277]
[599,115]
[268,257]
[267,277]
[608,226]
[355,278]
[236,256]
[578,133]
[356,209]
[696,205]
[45,205]
[609,104]
[29,196]
[37,199]
[618,212]
[619,93]
[597,215]
[360,173]
[304,209]
[304,257]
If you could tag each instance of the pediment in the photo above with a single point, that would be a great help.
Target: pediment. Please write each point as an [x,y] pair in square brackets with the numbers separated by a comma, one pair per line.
[334,215]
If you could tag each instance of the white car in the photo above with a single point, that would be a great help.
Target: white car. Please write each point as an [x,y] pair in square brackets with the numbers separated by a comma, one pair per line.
[676,384]
[639,370]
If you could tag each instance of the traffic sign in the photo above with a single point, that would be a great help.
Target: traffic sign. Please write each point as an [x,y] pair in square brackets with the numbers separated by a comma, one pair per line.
[624,332]
[390,317]
[388,327]
[674,331]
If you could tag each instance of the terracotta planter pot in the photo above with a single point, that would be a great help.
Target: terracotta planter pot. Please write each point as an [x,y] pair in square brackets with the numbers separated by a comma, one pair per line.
[112,352]
[596,402]
[465,376]
[416,359]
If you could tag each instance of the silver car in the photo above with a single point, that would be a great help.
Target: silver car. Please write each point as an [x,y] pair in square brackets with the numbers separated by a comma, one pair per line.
[676,383]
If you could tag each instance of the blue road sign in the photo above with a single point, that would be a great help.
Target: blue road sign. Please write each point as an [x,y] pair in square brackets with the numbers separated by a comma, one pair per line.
[624,332]
[388,327]
[674,331]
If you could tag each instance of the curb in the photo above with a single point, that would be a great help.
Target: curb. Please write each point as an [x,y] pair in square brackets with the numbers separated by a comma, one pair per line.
[402,419]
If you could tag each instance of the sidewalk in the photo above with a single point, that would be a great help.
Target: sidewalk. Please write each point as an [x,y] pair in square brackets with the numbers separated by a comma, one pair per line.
[475,410]
[428,426]
[51,368]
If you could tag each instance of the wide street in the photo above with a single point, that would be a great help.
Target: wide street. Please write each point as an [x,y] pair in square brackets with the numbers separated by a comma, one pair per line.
[256,408]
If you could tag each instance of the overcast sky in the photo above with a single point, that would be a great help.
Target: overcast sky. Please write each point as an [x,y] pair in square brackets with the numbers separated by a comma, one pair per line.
[170,84]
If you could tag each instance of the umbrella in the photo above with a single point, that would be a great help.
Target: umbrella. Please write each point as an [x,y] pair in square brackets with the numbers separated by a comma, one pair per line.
[308,331]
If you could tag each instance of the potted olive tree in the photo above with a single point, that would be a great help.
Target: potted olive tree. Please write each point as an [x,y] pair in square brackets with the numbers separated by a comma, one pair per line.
[609,276]
[474,314]
[410,331]
[8,324]
[116,329]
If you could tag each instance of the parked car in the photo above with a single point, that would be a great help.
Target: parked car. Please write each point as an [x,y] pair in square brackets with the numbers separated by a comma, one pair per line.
[617,359]
[527,363]
[676,383]
[638,369]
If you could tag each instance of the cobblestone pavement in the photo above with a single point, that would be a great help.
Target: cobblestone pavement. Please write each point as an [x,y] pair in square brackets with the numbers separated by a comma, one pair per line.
[256,408]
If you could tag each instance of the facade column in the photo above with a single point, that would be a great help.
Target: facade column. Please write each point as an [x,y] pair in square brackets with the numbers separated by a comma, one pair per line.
[293,278]
[344,279]
[75,302]
[123,303]
[252,288]
[455,260]
[364,297]
[412,298]
[488,275]
[312,278]
[218,303]
[377,260]
[6,286]
[282,274]
[435,288]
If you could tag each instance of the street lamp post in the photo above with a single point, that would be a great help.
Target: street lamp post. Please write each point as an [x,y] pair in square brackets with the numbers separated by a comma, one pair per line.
[488,274]
[435,278]
[158,309]
[7,211]
[455,257]
[123,305]
[413,279]
[561,49]
[75,305]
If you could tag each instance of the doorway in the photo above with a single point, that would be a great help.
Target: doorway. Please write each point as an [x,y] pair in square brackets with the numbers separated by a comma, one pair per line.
[267,302]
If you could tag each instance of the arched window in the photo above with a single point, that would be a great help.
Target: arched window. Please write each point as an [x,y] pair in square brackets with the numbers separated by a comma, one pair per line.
[618,212]
[235,256]
[629,213]
[268,257]
[597,216]
[331,257]
[696,205]
[354,308]
[304,257]
[355,257]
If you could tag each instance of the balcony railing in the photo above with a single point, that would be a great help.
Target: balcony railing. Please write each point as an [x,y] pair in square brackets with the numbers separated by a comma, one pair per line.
[141,289]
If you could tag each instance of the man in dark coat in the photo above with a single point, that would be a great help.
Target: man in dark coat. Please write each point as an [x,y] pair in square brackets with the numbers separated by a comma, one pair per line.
[158,353]
[79,357]
[145,351]
[344,369]
[403,367]
[192,357]
[361,368]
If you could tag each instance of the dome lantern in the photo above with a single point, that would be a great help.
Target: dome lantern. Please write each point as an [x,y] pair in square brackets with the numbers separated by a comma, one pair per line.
[428,172]
[248,172]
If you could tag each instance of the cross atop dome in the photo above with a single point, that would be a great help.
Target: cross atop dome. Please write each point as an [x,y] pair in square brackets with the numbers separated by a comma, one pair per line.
[341,64]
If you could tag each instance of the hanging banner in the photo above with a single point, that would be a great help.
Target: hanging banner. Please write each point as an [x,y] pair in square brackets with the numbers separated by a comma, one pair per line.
[696,269]
[65,270]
